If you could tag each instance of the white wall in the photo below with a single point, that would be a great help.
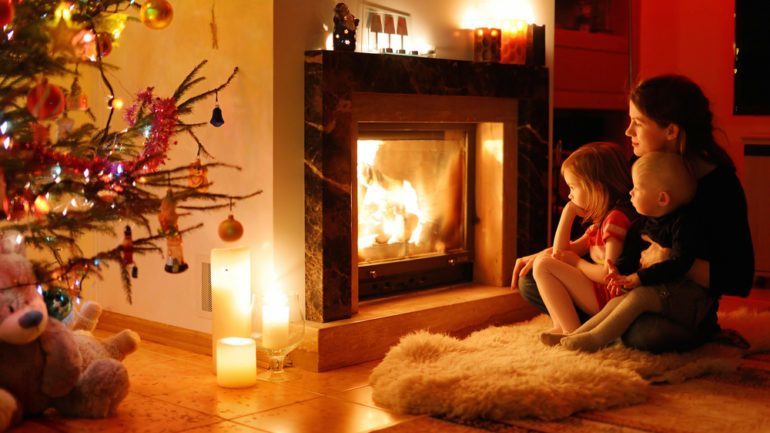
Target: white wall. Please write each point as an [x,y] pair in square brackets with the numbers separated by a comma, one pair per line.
[299,26]
[162,58]
[263,133]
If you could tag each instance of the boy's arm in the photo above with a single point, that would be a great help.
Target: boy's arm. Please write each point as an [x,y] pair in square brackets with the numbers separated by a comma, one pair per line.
[681,256]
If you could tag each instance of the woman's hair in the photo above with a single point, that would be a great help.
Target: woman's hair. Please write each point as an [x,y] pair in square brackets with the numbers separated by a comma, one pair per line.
[603,171]
[668,99]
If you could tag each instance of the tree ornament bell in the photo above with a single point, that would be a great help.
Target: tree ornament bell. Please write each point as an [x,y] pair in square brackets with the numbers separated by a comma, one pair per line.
[216,116]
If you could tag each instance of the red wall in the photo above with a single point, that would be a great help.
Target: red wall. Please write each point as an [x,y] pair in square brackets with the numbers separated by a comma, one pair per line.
[695,38]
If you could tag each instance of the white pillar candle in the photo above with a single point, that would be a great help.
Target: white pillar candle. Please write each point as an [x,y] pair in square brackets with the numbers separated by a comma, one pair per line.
[230,294]
[236,362]
[275,321]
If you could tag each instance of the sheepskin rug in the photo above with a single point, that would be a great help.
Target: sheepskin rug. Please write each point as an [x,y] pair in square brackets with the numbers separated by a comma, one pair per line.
[506,372]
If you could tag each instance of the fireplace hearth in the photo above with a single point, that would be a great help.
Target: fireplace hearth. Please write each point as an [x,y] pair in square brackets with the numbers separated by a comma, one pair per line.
[497,212]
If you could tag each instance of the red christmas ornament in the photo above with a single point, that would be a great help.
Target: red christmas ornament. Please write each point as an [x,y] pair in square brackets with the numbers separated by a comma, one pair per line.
[230,230]
[7,12]
[16,208]
[45,101]
[156,14]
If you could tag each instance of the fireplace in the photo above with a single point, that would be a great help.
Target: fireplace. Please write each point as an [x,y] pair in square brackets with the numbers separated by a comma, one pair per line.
[414,195]
[463,141]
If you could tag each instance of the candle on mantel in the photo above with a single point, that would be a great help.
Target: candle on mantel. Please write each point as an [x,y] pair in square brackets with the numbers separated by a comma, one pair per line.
[514,42]
[236,362]
[486,45]
[230,294]
[275,320]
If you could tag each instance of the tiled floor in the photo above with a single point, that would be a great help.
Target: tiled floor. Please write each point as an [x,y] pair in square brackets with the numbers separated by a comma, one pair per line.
[175,391]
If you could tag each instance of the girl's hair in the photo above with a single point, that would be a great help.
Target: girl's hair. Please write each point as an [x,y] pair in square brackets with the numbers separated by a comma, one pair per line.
[668,99]
[603,171]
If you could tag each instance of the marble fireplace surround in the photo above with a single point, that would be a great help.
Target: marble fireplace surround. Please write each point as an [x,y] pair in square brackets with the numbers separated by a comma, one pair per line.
[508,104]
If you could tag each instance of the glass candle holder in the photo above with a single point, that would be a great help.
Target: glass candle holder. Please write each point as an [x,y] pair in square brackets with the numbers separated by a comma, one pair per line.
[278,331]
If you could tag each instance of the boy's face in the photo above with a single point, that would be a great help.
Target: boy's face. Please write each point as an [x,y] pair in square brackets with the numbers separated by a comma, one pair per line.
[645,195]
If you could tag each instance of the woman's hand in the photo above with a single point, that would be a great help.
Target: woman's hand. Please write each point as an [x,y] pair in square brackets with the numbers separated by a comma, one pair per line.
[523,265]
[653,254]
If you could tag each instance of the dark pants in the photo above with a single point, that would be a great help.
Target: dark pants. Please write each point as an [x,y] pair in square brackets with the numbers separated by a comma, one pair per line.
[650,332]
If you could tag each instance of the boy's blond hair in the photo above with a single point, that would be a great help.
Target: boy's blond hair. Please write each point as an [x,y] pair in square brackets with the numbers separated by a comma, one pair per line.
[669,173]
[602,168]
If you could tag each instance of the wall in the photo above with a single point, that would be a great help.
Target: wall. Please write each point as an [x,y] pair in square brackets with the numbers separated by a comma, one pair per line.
[162,58]
[299,26]
[263,133]
[695,38]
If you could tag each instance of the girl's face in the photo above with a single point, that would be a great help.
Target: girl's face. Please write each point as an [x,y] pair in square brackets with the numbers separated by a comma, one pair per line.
[647,136]
[578,194]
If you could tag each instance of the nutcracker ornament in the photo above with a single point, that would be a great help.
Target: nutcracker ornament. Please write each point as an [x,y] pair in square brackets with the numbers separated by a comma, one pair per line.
[169,226]
[127,248]
[345,23]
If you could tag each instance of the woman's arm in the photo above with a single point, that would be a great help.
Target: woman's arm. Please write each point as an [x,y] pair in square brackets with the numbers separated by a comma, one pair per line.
[699,272]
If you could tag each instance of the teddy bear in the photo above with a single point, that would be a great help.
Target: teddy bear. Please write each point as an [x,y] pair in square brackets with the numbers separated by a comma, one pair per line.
[45,364]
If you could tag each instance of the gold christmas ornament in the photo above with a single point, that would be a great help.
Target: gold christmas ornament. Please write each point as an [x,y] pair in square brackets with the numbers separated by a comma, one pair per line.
[230,230]
[156,14]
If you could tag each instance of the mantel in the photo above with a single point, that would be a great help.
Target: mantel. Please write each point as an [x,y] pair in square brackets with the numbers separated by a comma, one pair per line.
[456,91]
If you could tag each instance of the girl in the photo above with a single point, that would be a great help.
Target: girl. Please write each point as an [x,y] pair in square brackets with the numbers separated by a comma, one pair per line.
[598,179]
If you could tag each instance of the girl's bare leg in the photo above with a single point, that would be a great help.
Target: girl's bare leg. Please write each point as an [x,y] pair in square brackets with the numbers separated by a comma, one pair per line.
[562,287]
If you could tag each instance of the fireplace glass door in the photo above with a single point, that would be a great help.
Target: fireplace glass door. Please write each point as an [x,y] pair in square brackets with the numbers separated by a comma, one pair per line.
[412,203]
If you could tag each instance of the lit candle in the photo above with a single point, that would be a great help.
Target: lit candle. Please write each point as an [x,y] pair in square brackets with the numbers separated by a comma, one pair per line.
[230,294]
[236,362]
[486,45]
[275,321]
[514,42]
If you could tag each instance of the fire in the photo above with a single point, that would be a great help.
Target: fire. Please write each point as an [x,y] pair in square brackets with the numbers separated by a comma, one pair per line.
[389,210]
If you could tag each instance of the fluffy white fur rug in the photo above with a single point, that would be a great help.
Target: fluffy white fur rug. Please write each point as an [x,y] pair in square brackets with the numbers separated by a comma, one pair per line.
[505,372]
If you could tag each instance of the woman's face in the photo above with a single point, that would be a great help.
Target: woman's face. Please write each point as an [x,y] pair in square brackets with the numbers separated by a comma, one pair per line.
[647,136]
[577,191]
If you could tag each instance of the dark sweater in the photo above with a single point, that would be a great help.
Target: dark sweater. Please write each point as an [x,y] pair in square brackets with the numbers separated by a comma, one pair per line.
[677,231]
[725,240]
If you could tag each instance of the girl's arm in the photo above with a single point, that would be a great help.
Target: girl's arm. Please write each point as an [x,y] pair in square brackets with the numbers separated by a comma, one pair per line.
[580,246]
[561,241]
[595,272]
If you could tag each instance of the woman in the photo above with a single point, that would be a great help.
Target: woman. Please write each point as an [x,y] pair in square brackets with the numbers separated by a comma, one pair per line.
[670,113]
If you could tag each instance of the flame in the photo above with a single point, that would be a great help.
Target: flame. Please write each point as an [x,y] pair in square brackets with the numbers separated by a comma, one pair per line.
[389,211]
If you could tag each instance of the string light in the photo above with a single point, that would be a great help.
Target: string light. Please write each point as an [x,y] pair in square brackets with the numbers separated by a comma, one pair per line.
[4,127]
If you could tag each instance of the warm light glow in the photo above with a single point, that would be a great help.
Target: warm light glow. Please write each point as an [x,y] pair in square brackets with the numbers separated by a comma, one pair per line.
[388,212]
[117,104]
[330,42]
[494,148]
[230,293]
[42,205]
[236,362]
[275,320]
[495,13]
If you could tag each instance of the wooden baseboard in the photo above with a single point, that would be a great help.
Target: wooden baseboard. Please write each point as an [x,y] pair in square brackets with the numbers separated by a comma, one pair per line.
[173,336]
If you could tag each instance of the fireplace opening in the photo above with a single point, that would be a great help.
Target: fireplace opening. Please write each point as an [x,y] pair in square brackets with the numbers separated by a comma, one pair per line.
[414,196]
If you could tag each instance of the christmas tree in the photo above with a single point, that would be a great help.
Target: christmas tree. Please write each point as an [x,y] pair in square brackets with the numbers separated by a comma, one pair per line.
[60,180]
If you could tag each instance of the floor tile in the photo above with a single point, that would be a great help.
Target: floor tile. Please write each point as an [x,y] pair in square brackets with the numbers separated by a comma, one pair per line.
[137,415]
[322,415]
[231,403]
[329,382]
[361,395]
[225,427]
[169,375]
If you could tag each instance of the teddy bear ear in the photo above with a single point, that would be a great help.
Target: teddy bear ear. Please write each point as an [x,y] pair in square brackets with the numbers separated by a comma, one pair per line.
[12,242]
